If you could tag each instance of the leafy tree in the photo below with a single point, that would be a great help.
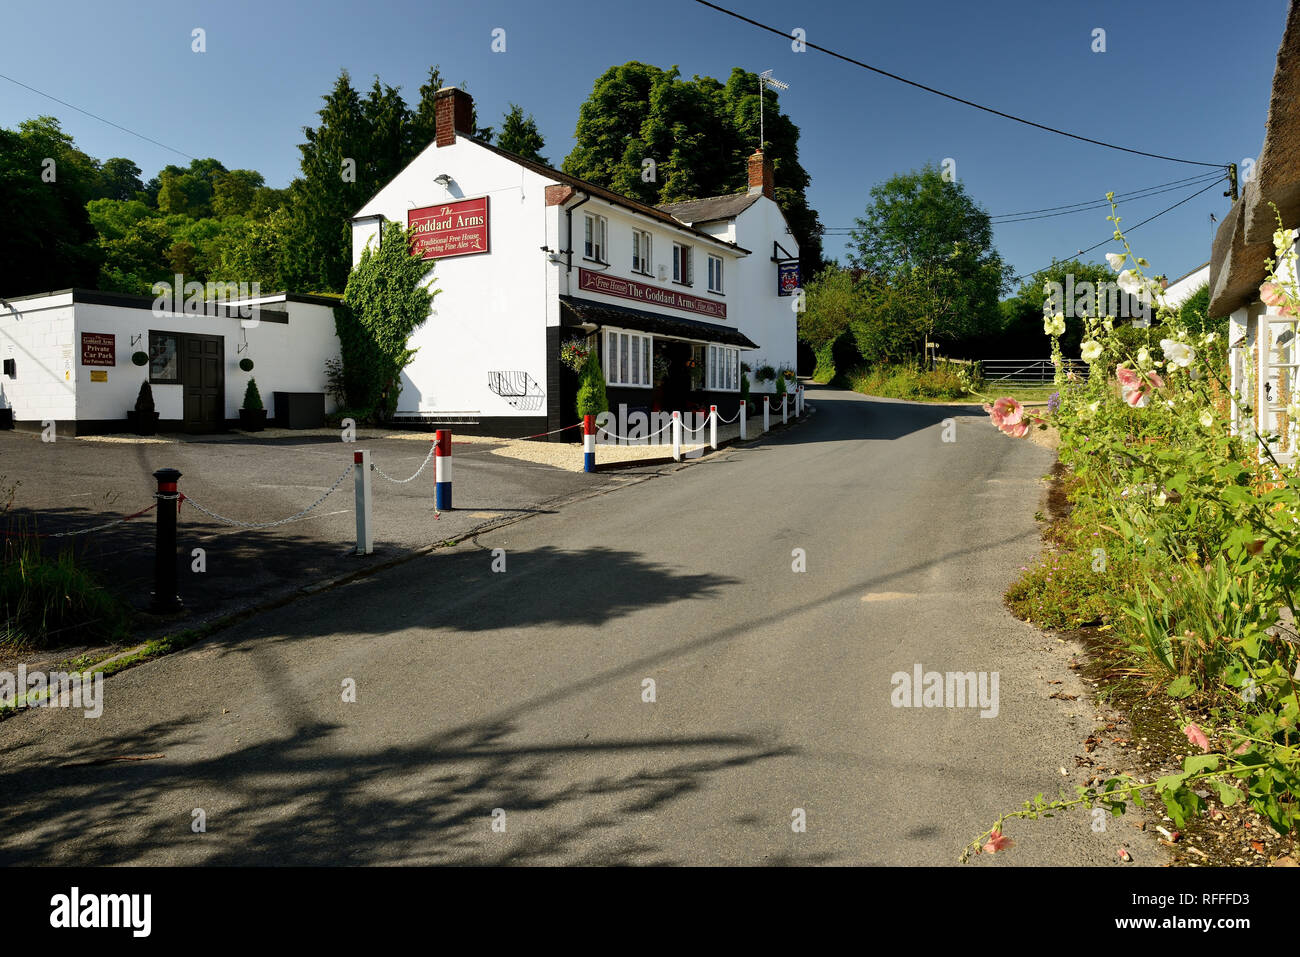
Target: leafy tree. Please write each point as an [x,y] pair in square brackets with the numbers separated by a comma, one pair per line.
[1021,331]
[45,182]
[119,179]
[520,136]
[700,134]
[926,237]
[388,297]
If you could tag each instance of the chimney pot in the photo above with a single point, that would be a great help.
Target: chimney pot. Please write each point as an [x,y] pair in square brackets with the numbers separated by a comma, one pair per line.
[453,110]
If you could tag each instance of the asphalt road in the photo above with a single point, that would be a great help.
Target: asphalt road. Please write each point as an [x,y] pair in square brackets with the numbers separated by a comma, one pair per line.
[520,692]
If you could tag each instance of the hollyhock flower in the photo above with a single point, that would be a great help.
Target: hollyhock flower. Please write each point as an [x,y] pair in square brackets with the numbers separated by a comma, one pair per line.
[1197,737]
[1091,350]
[1054,325]
[1144,356]
[1207,418]
[1017,430]
[1270,293]
[997,842]
[1178,353]
[1129,282]
[1137,386]
[1283,239]
[1009,409]
[1116,260]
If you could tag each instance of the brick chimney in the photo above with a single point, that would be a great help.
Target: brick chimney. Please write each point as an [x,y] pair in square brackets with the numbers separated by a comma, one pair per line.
[760,175]
[453,111]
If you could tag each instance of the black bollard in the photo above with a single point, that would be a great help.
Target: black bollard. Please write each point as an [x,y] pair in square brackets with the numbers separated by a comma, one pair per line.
[165,599]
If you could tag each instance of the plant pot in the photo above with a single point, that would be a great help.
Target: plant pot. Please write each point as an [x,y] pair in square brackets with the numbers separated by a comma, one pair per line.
[252,420]
[142,423]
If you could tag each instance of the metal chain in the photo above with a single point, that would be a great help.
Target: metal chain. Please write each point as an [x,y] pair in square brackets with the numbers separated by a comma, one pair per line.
[283,521]
[376,468]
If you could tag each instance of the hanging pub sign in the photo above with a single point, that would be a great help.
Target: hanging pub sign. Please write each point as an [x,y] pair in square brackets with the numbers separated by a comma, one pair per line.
[449,229]
[787,278]
[98,349]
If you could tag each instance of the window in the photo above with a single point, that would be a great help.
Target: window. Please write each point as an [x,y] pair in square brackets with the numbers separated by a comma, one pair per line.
[597,228]
[641,252]
[682,264]
[715,274]
[164,358]
[723,369]
[627,358]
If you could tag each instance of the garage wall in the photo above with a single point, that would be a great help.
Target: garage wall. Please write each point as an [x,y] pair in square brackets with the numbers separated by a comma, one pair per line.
[37,334]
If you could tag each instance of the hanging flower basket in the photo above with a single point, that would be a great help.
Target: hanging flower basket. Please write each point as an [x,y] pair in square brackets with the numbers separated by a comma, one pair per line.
[573,353]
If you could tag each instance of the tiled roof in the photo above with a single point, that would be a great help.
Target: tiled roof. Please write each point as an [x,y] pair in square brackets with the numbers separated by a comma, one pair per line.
[711,208]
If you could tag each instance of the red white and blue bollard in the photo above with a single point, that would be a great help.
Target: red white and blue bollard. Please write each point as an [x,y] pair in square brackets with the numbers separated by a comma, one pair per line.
[442,470]
[589,443]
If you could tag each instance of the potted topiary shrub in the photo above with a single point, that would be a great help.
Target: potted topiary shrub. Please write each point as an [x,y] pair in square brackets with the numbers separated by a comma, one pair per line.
[252,416]
[143,419]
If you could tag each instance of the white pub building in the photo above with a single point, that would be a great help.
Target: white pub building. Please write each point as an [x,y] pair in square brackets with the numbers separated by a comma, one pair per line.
[674,298]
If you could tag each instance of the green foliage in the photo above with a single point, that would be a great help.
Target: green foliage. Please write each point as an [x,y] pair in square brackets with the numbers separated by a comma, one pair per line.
[925,242]
[1194,313]
[833,303]
[780,385]
[1022,320]
[47,242]
[144,399]
[520,136]
[252,398]
[824,371]
[907,380]
[47,601]
[1069,587]
[700,133]
[592,399]
[388,297]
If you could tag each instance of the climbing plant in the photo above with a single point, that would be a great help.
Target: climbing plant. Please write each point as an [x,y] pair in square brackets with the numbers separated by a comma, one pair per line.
[388,297]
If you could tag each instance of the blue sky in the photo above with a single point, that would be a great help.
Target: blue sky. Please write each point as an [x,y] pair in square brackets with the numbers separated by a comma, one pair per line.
[1186,78]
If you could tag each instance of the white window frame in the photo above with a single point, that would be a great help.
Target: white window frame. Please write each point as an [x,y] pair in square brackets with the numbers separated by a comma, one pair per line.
[618,365]
[642,244]
[683,264]
[595,238]
[722,368]
[715,274]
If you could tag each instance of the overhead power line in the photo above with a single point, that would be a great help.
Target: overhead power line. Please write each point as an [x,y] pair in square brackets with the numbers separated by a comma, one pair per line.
[94,116]
[1130,229]
[957,99]
[1132,194]
[1104,204]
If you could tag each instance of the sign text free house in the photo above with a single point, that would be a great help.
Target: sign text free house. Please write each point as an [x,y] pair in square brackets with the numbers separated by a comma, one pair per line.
[449,229]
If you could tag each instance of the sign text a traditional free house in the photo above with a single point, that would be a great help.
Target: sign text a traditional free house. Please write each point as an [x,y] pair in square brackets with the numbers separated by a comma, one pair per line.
[449,229]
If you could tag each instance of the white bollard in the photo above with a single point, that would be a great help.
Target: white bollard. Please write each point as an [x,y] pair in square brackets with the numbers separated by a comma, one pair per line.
[713,427]
[743,406]
[677,436]
[365,527]
[785,409]
[767,410]
[798,402]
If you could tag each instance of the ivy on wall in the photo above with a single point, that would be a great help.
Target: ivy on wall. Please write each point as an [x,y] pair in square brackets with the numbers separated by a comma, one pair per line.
[388,297]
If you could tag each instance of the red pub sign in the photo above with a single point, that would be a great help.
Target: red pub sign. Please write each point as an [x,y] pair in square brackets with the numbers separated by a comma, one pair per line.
[651,295]
[449,229]
[98,349]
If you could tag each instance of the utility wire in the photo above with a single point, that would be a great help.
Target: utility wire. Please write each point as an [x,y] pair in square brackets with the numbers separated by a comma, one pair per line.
[95,117]
[949,96]
[1092,202]
[1111,238]
[1104,204]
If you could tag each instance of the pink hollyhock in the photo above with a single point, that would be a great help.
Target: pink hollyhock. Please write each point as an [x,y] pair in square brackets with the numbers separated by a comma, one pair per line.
[994,415]
[1197,737]
[1271,294]
[997,842]
[1017,431]
[1010,410]
[1137,386]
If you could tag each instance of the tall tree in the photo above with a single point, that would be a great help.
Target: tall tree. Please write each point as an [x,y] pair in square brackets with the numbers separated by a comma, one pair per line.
[925,236]
[699,133]
[45,183]
[519,135]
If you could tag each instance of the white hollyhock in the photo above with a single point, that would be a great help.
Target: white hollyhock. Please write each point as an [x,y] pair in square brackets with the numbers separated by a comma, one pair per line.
[1129,282]
[1144,356]
[1091,350]
[1207,418]
[1054,325]
[1116,260]
[1178,353]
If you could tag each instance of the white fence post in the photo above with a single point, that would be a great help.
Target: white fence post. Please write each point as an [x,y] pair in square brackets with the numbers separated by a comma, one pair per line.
[713,427]
[365,527]
[743,408]
[767,414]
[677,436]
[785,408]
